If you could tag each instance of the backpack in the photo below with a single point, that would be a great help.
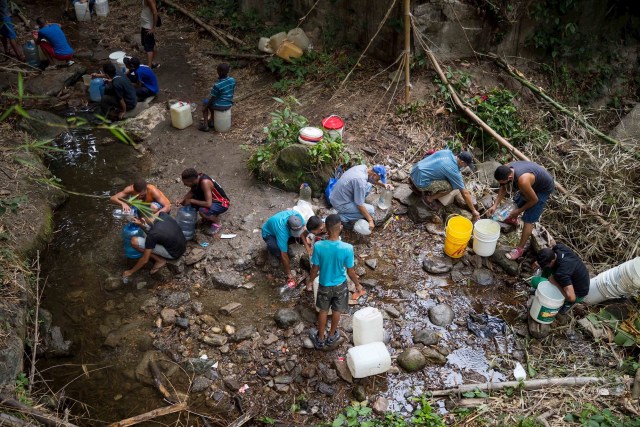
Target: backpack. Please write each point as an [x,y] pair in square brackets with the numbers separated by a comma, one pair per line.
[332,182]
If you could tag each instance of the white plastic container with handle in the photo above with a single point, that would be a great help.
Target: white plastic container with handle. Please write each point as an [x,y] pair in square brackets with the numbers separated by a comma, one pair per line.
[369,359]
[367,326]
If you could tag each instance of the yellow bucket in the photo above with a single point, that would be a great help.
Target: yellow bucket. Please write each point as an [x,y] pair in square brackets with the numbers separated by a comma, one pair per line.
[457,235]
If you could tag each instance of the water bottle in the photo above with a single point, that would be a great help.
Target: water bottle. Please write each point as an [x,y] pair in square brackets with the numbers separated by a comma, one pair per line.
[120,213]
[31,54]
[305,192]
[384,202]
[186,219]
[96,89]
[131,230]
[503,211]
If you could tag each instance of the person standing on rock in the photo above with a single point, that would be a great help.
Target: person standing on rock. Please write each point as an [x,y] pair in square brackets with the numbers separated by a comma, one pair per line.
[119,93]
[149,19]
[442,166]
[53,42]
[334,261]
[349,193]
[144,192]
[164,241]
[206,195]
[533,186]
[143,76]
[564,268]
[277,232]
[221,96]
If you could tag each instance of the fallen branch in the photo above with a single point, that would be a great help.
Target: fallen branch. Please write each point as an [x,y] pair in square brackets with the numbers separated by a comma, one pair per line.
[238,55]
[506,144]
[38,414]
[244,418]
[150,415]
[216,32]
[526,385]
[157,380]
[11,421]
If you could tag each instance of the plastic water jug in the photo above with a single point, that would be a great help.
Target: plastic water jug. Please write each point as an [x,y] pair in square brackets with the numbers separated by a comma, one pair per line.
[119,213]
[222,120]
[369,359]
[305,192]
[298,37]
[384,202]
[367,326]
[362,227]
[131,230]
[96,89]
[181,115]
[31,53]
[276,40]
[82,11]
[288,51]
[102,8]
[186,219]
[503,211]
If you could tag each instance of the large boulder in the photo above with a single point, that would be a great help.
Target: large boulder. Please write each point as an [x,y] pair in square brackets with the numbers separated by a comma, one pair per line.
[419,212]
[293,166]
[42,124]
[286,317]
[412,360]
[628,131]
[52,82]
[485,172]
[140,127]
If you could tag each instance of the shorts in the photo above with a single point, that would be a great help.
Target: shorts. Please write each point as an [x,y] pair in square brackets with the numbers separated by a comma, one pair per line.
[209,103]
[215,209]
[48,48]
[334,297]
[272,244]
[7,29]
[433,187]
[532,215]
[148,40]
[158,250]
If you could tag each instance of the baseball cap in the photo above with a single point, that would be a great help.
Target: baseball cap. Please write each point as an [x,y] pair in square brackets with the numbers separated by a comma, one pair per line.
[466,157]
[382,171]
[295,224]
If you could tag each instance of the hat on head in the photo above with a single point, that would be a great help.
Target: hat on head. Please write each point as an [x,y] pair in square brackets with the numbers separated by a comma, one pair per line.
[295,224]
[466,157]
[381,170]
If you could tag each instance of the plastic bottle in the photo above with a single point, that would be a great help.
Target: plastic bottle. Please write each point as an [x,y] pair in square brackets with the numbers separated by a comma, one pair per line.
[503,211]
[186,219]
[96,89]
[31,53]
[305,192]
[131,230]
[119,213]
[384,202]
[194,107]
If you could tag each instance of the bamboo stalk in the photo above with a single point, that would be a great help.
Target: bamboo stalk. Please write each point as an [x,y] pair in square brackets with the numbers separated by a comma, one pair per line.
[407,50]
[150,415]
[526,385]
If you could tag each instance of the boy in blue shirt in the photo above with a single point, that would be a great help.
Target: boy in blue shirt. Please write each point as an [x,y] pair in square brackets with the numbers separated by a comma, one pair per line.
[334,260]
[221,96]
[143,77]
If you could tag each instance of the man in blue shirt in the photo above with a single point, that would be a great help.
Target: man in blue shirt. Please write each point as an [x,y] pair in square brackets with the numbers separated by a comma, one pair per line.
[441,166]
[277,231]
[221,96]
[53,42]
[143,77]
[334,260]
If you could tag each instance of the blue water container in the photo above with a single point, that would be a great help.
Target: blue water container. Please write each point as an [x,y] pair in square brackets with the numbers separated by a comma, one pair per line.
[130,230]
[186,219]
[31,54]
[96,89]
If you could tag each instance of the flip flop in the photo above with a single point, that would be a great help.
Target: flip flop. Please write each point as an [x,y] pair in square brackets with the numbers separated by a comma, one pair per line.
[515,254]
[356,295]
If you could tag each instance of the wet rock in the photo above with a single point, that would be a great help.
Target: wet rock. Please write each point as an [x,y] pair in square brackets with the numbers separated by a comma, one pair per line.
[510,267]
[326,389]
[482,276]
[343,370]
[441,315]
[200,383]
[42,124]
[195,255]
[197,365]
[426,337]
[411,360]
[419,213]
[168,316]
[140,127]
[380,216]
[392,311]
[437,264]
[244,333]
[435,229]
[227,279]
[176,299]
[359,393]
[112,283]
[380,405]
[404,195]
[231,383]
[215,340]
[307,343]
[308,372]
[53,81]
[371,263]
[434,356]
[485,172]
[369,283]
[286,317]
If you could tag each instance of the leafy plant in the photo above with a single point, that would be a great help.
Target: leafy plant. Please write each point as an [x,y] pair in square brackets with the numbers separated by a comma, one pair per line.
[459,80]
[314,65]
[475,393]
[22,385]
[357,415]
[329,151]
[424,416]
[529,422]
[591,416]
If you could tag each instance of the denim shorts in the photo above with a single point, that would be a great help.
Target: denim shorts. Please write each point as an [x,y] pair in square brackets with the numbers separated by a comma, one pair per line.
[532,215]
[334,297]
[216,208]
[158,250]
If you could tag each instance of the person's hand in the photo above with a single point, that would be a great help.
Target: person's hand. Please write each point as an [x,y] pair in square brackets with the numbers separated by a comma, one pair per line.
[179,202]
[388,187]
[127,273]
[491,210]
[514,215]
[371,224]
[535,266]
[476,215]
[138,221]
[151,31]
[126,208]
[121,115]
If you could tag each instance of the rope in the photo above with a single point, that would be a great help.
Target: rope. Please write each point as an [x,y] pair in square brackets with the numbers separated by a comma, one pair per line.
[305,16]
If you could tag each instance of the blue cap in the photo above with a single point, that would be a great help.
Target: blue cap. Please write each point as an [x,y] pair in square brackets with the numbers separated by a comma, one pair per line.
[382,171]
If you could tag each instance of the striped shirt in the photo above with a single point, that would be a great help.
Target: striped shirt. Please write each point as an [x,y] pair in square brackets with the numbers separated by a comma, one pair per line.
[441,165]
[222,92]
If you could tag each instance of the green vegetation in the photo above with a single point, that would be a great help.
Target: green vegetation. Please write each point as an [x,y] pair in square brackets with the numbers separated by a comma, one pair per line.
[12,204]
[360,415]
[22,386]
[459,80]
[591,416]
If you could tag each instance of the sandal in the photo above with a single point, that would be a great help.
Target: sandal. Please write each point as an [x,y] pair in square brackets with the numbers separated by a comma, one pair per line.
[515,254]
[315,339]
[204,128]
[333,339]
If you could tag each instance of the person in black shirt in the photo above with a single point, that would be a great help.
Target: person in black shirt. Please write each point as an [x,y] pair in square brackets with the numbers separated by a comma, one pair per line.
[567,271]
[119,94]
[164,241]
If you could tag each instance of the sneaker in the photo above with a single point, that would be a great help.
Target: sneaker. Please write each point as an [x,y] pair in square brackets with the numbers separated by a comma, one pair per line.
[515,254]
[70,63]
[214,229]
[315,339]
[204,128]
[333,339]
[155,65]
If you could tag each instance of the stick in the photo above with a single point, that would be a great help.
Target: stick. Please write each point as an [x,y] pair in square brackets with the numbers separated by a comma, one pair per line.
[216,32]
[238,55]
[36,328]
[517,153]
[10,421]
[151,414]
[157,375]
[40,415]
[243,419]
[526,385]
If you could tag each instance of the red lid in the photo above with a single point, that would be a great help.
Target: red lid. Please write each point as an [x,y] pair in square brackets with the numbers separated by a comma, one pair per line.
[333,122]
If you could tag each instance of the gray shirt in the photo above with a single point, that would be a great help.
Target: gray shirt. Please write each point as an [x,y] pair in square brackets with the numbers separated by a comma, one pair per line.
[350,188]
[543,180]
[146,17]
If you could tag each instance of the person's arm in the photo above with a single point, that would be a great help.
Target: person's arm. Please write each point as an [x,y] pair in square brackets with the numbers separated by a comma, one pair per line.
[185,199]
[119,198]
[158,196]
[466,194]
[501,193]
[526,190]
[365,213]
[313,273]
[305,242]
[567,290]
[154,13]
[286,266]
[123,108]
[351,272]
[141,263]
[206,187]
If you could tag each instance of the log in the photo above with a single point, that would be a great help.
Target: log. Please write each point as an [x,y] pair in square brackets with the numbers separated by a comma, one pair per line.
[216,32]
[11,421]
[151,414]
[506,144]
[238,55]
[38,414]
[526,385]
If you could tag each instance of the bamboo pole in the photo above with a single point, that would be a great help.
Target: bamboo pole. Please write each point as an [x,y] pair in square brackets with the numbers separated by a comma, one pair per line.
[517,153]
[150,415]
[407,50]
[526,385]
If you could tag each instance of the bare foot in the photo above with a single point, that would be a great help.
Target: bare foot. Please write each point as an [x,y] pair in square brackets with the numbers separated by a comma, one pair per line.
[157,266]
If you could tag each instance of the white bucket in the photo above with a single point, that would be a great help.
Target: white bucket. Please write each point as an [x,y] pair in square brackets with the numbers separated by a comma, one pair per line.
[222,120]
[617,282]
[334,125]
[367,326]
[117,57]
[594,296]
[82,11]
[102,8]
[369,359]
[448,198]
[486,233]
[546,303]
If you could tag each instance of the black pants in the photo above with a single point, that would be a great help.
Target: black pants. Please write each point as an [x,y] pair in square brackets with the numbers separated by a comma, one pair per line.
[143,93]
[109,105]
